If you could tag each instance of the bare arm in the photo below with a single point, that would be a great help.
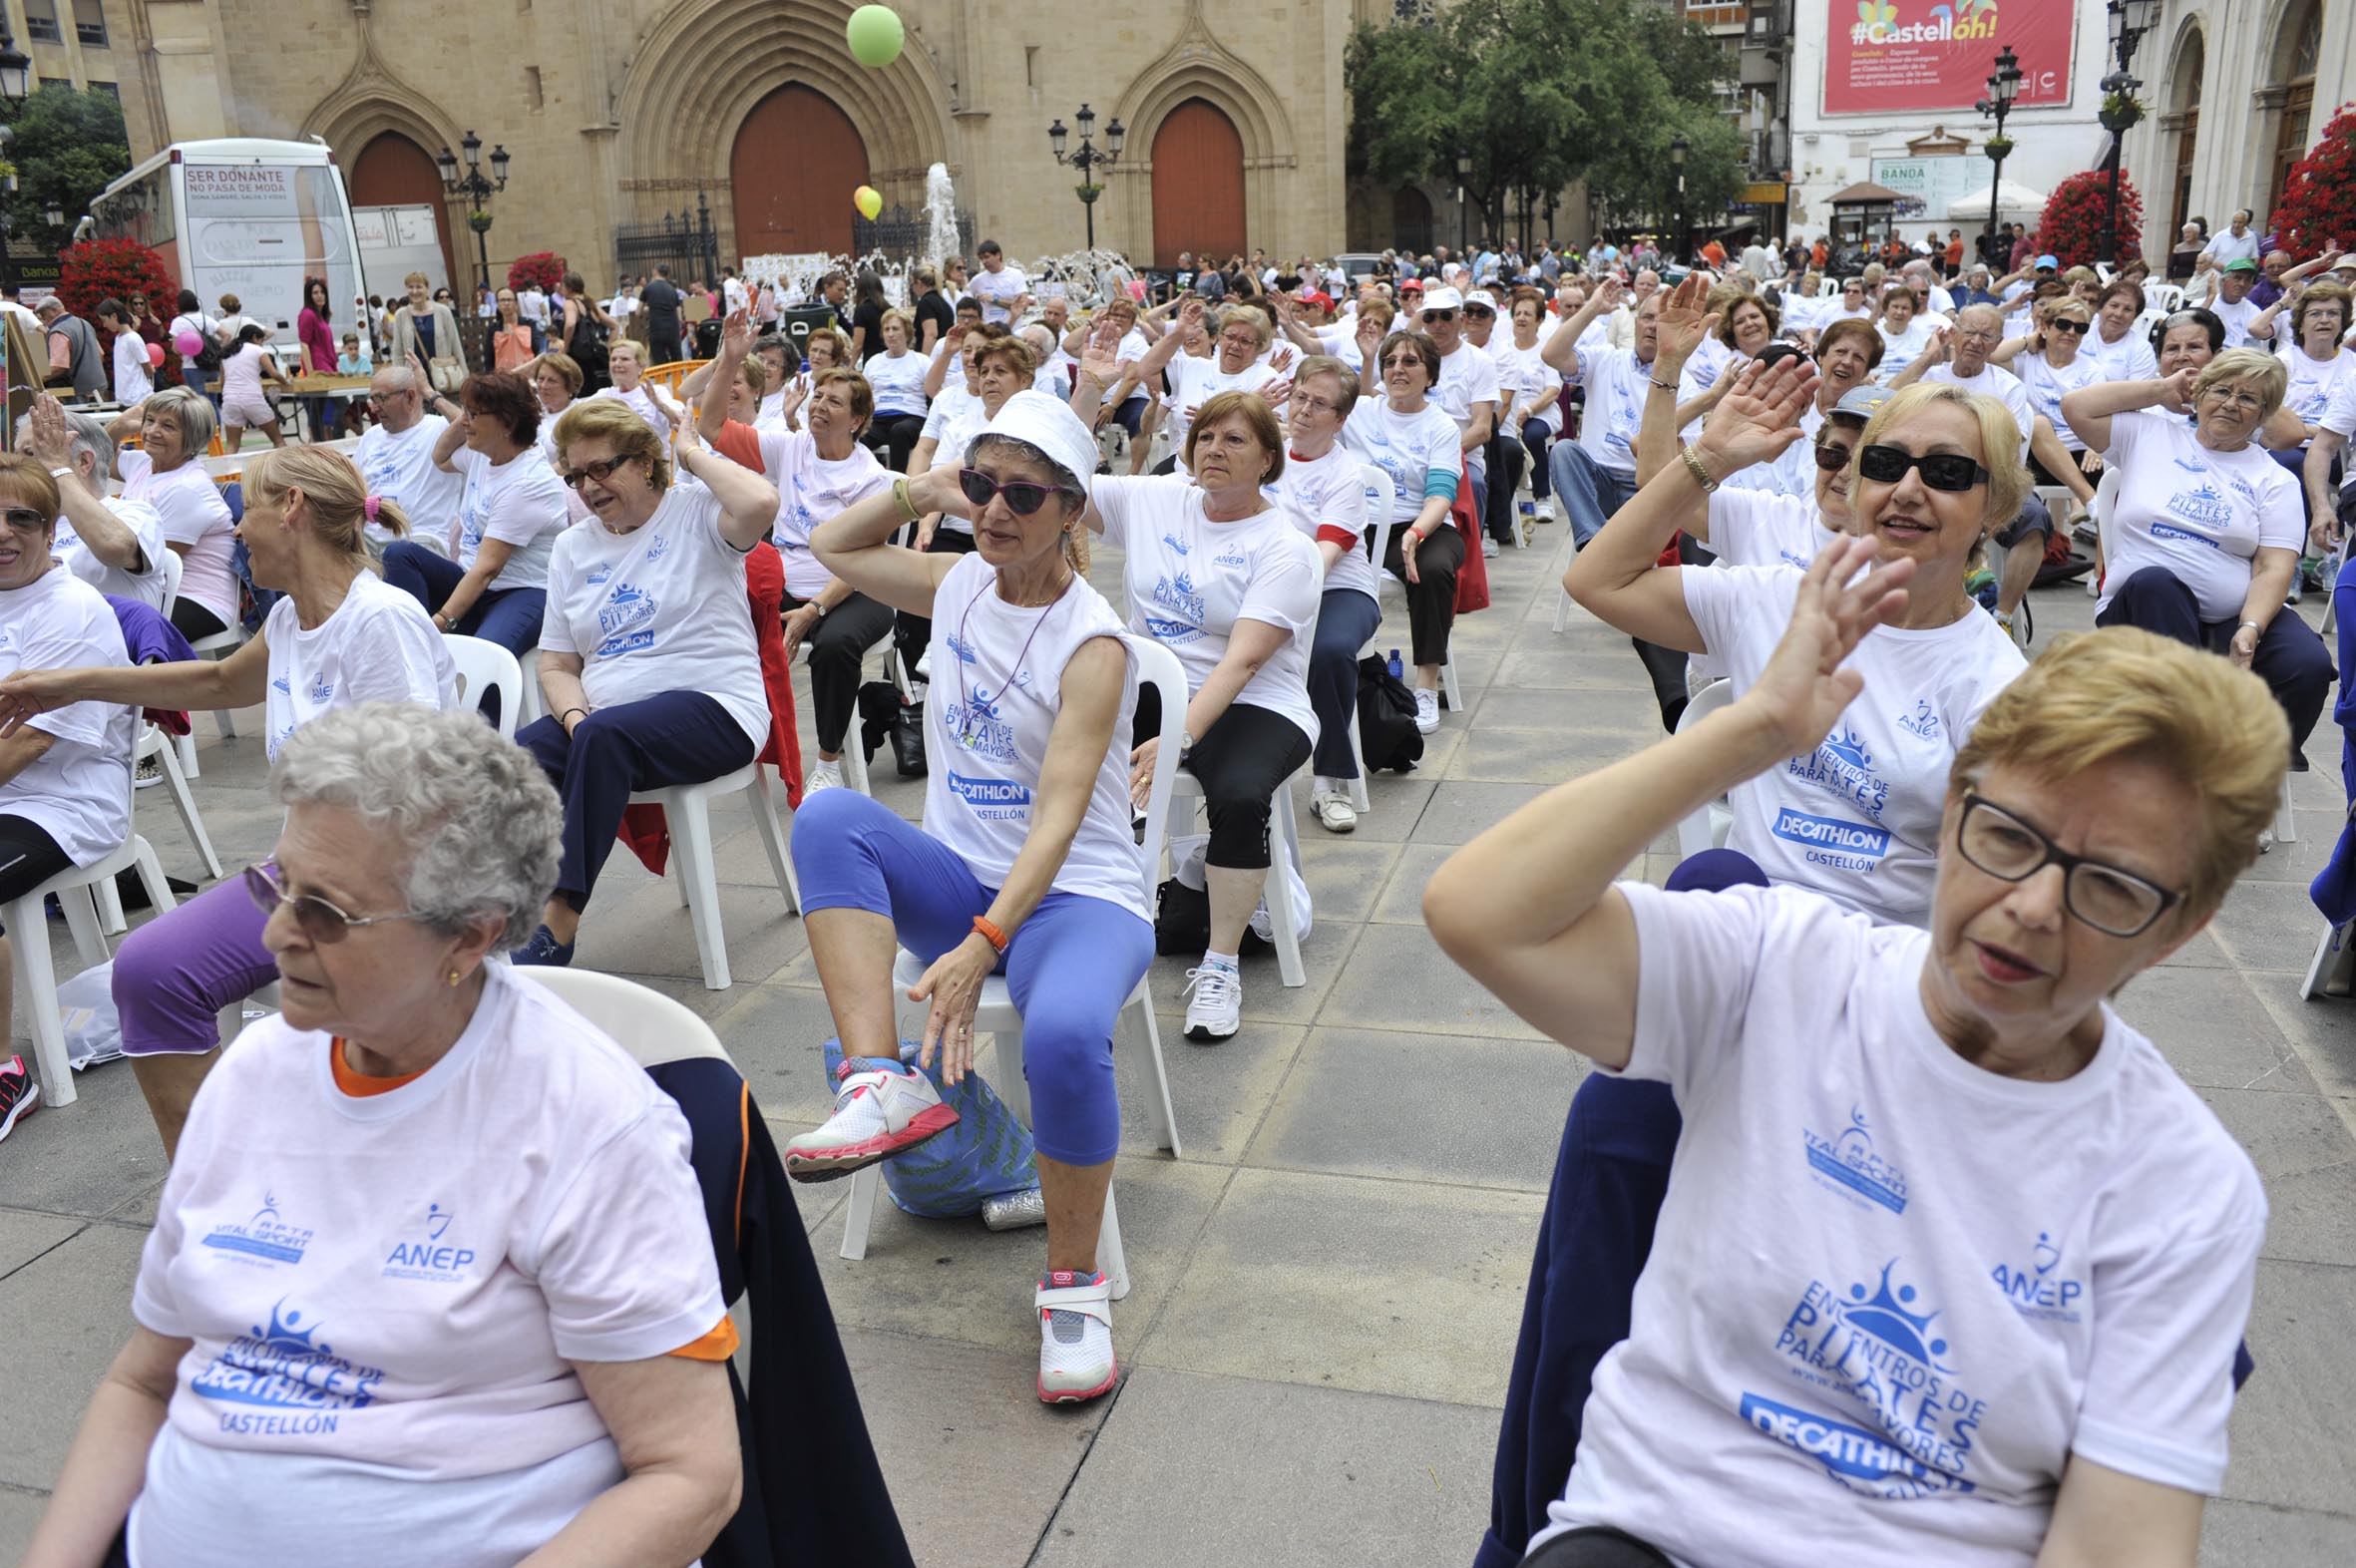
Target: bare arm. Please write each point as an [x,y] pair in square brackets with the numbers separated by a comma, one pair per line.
[2104,1519]
[22,749]
[937,373]
[1561,351]
[676,1429]
[736,342]
[2090,410]
[106,1464]
[1681,328]
[559,683]
[239,681]
[2315,472]
[491,559]
[1249,644]
[2048,449]
[748,503]
[854,545]
[107,535]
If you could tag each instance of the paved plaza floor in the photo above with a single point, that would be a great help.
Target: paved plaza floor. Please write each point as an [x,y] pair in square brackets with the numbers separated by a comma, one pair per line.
[1327,1283]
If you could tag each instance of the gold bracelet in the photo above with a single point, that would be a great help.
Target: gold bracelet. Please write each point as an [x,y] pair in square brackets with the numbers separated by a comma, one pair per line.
[908,507]
[1698,469]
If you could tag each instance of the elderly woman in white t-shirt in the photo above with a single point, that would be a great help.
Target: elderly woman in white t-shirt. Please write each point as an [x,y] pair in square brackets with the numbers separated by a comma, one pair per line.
[1025,861]
[339,636]
[173,429]
[898,376]
[658,408]
[2205,532]
[646,652]
[1954,1264]
[433,1256]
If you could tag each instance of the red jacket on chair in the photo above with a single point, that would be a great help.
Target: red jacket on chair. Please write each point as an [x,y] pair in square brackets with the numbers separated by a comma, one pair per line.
[1472,578]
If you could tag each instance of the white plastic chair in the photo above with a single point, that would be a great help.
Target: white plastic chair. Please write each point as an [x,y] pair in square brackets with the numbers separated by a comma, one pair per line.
[1709,827]
[153,742]
[1285,846]
[219,646]
[534,705]
[28,947]
[997,1016]
[2167,296]
[1373,477]
[1378,508]
[2331,958]
[652,1027]
[2106,502]
[686,809]
[484,663]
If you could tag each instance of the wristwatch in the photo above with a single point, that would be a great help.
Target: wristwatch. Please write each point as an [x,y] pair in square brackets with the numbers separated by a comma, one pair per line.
[1185,744]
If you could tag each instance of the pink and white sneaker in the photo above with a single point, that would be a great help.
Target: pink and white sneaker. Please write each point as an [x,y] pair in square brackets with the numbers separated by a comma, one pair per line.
[20,1096]
[877,1114]
[1076,1363]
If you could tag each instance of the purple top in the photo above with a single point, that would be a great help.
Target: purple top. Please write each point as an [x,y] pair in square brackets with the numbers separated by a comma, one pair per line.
[319,337]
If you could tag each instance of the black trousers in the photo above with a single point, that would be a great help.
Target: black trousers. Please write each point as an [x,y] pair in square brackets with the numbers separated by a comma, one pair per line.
[1241,763]
[1431,602]
[892,436]
[2290,658]
[837,644]
[1505,458]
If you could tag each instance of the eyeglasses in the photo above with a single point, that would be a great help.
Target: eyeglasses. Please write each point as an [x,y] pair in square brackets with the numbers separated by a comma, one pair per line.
[2246,401]
[1476,313]
[601,471]
[1403,362]
[1022,497]
[1940,470]
[25,519]
[2114,902]
[1313,405]
[2065,324]
[1832,457]
[1430,316]
[320,922]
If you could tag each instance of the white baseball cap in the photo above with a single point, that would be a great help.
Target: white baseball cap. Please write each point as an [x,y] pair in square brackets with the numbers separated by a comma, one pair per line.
[1443,298]
[1483,299]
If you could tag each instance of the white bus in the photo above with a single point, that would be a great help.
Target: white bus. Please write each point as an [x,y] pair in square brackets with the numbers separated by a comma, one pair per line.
[242,216]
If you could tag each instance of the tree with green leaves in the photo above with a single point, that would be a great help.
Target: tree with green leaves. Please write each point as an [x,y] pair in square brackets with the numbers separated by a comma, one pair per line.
[66,147]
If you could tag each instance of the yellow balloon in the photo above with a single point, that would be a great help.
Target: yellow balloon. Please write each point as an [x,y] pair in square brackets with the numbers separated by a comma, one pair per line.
[869,200]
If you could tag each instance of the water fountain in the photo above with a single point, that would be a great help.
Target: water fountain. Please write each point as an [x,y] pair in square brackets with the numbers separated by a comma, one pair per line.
[940,216]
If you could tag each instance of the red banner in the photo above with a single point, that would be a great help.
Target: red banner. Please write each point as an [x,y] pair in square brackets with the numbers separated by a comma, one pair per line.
[1901,56]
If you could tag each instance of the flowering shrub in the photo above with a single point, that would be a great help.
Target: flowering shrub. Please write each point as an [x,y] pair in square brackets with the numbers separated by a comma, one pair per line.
[2317,211]
[542,269]
[121,269]
[2072,228]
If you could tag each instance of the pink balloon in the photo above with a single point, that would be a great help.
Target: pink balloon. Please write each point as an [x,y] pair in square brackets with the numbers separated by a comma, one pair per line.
[189,344]
[154,356]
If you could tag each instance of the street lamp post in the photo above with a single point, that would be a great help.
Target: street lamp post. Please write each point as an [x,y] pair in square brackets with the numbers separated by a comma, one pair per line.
[2129,21]
[2003,87]
[1463,202]
[1088,158]
[16,71]
[477,189]
[1685,238]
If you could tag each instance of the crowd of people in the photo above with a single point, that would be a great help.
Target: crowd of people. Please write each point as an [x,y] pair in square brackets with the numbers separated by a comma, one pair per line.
[1814,496]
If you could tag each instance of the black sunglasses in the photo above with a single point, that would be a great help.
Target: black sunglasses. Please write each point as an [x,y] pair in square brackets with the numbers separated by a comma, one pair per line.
[1022,497]
[2112,901]
[321,921]
[601,471]
[1940,470]
[1830,458]
[25,519]
[1439,316]
[2065,324]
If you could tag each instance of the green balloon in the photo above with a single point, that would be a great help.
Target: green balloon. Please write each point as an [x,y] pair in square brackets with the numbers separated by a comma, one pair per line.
[875,35]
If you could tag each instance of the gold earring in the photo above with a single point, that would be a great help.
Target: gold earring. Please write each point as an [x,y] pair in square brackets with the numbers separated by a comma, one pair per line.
[455,976]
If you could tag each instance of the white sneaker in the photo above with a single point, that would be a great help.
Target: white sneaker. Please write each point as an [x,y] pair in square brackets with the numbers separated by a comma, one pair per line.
[1333,811]
[1489,547]
[1426,711]
[822,775]
[1215,1005]
[1077,1362]
[877,1114]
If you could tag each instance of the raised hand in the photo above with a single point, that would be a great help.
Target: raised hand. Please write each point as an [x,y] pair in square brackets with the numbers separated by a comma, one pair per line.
[1608,295]
[1759,416]
[1281,360]
[1683,324]
[1804,689]
[1370,336]
[46,436]
[736,334]
[2176,392]
[1101,356]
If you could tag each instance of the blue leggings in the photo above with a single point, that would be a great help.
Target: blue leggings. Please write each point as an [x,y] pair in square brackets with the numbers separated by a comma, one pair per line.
[1070,965]
[508,616]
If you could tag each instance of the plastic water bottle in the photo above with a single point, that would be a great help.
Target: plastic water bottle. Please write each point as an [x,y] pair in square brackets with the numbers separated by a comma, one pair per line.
[1398,671]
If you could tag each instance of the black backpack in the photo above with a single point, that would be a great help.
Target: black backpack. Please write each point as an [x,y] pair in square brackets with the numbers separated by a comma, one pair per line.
[1386,733]
[587,348]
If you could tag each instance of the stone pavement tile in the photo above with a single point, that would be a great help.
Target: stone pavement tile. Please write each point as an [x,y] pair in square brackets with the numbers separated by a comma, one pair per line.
[1401,899]
[88,1158]
[1222,1092]
[1461,812]
[1344,871]
[2322,1029]
[1388,1287]
[2293,1436]
[1441,998]
[976,1464]
[2241,1535]
[1598,660]
[68,1312]
[2268,925]
[2212,1029]
[1267,999]
[19,1512]
[1422,1107]
[955,1280]
[774,1032]
[1306,1477]
[1526,756]
[2298,862]
[646,930]
[2309,1162]
[25,1235]
[138,1209]
[1400,798]
[2201,952]
[1548,710]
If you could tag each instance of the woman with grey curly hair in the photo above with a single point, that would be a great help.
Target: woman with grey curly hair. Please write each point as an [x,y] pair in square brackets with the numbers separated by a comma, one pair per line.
[477,1301]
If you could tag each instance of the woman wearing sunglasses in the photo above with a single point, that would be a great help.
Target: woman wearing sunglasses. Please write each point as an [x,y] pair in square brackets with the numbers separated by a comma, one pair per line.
[648,663]
[2205,532]
[1954,1266]
[818,470]
[1025,861]
[340,635]
[2050,367]
[462,1287]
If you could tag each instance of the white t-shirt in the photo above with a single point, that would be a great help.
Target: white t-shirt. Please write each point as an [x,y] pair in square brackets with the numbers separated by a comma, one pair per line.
[2313,381]
[811,489]
[2339,415]
[1616,383]
[2047,384]
[1523,376]
[2225,245]
[385,1294]
[1466,377]
[79,790]
[659,413]
[1858,821]
[1794,471]
[1901,349]
[2129,359]
[2237,314]
[1892,1294]
[1194,382]
[986,725]
[521,502]
[1327,498]
[660,608]
[378,647]
[400,468]
[147,525]
[1188,581]
[956,418]
[1410,448]
[241,375]
[1997,382]
[195,515]
[998,290]
[1762,528]
[2202,514]
[133,384]
[899,382]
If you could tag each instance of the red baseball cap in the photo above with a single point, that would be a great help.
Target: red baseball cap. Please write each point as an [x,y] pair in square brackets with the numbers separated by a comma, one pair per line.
[1317,296]
[1415,283]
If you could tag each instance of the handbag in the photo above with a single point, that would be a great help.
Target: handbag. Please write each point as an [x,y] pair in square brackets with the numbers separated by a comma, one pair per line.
[448,374]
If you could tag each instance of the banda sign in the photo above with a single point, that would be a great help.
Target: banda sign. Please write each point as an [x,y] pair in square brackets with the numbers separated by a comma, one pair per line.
[1885,56]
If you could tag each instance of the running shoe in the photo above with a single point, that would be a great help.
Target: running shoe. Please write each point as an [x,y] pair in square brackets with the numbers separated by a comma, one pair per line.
[1334,812]
[822,775]
[20,1096]
[544,949]
[1426,711]
[877,1114]
[1076,1363]
[1215,1004]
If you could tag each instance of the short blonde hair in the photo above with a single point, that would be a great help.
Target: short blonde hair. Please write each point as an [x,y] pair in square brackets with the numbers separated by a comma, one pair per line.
[908,323]
[2125,692]
[1251,316]
[610,419]
[1257,417]
[1343,376]
[2000,442]
[2269,376]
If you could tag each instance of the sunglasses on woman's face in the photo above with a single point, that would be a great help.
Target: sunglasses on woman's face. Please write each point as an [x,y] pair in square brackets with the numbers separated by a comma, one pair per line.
[2074,328]
[321,922]
[1950,471]
[1832,457]
[25,519]
[1022,496]
[601,471]
[1430,316]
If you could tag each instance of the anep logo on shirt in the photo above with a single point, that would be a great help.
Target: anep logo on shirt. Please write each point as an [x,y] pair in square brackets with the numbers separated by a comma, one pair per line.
[427,1251]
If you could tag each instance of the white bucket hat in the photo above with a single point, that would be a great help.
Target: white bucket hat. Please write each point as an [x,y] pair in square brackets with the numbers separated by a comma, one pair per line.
[1045,422]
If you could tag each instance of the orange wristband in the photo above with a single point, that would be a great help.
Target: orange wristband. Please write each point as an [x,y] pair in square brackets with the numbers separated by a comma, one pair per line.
[989,933]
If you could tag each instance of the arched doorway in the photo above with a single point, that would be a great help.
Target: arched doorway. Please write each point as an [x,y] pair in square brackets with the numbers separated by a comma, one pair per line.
[2302,31]
[1198,184]
[2184,83]
[393,171]
[1410,220]
[796,161]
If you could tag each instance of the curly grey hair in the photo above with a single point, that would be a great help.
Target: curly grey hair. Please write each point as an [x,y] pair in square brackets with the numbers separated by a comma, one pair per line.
[481,820]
